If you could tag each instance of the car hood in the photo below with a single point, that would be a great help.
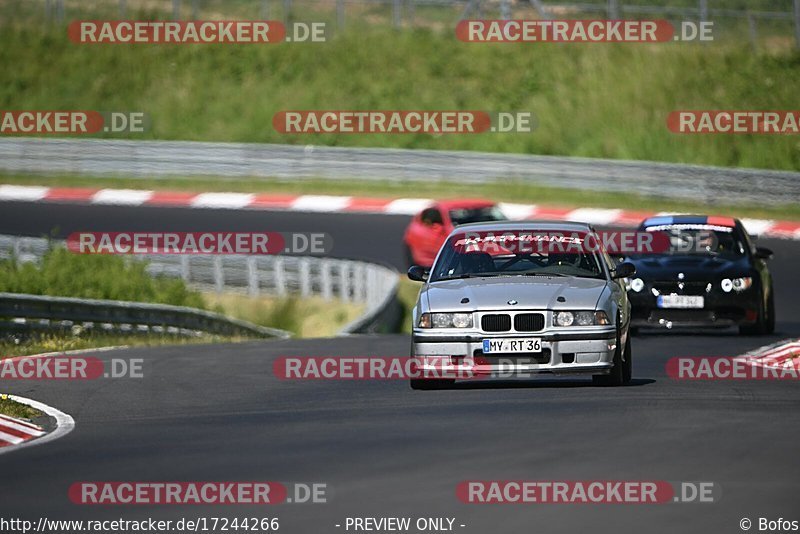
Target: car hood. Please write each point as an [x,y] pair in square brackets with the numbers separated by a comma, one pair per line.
[697,267]
[529,292]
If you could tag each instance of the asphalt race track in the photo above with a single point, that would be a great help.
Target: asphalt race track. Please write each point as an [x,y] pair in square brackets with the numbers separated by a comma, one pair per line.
[217,413]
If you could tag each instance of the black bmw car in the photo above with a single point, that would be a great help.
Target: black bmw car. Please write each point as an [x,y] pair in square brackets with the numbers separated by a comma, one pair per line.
[710,275]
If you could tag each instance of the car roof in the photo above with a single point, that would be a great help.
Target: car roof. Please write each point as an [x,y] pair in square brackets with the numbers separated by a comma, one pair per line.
[527,225]
[660,220]
[463,203]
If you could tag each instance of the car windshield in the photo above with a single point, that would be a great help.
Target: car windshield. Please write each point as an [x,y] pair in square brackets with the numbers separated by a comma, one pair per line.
[701,240]
[486,255]
[471,215]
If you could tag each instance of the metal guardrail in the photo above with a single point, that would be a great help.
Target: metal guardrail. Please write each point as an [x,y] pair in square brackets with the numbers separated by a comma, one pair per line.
[147,159]
[152,317]
[359,282]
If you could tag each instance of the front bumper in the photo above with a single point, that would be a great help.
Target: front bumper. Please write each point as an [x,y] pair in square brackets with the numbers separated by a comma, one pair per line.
[583,352]
[720,310]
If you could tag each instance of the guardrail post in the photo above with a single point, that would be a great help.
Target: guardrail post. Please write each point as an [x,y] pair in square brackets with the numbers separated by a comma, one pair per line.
[176,9]
[363,281]
[613,10]
[344,281]
[326,282]
[505,10]
[369,296]
[751,25]
[397,19]
[186,271]
[123,8]
[702,10]
[219,275]
[287,11]
[280,277]
[305,277]
[340,14]
[252,276]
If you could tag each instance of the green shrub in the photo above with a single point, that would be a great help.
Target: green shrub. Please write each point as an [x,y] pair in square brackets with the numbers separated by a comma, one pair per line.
[63,273]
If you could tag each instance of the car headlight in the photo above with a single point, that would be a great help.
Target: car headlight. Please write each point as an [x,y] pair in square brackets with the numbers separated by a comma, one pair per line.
[637,284]
[445,320]
[740,284]
[565,318]
[581,318]
[736,284]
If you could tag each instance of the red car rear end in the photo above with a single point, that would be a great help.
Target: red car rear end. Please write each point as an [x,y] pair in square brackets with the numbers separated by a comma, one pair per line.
[428,229]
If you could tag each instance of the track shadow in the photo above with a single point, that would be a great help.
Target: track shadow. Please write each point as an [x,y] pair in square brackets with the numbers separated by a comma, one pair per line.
[540,383]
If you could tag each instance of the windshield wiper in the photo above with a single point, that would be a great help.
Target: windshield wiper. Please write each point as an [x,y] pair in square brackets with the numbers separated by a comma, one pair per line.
[544,274]
[468,275]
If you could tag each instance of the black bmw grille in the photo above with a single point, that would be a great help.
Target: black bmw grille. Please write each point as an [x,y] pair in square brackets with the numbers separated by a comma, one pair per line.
[689,288]
[529,322]
[496,322]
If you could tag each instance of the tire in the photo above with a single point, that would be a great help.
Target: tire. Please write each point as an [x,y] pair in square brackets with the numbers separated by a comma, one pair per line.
[771,313]
[430,384]
[627,365]
[765,323]
[623,367]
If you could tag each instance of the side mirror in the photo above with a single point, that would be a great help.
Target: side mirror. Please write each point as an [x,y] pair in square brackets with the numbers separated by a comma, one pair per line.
[418,273]
[624,270]
[763,253]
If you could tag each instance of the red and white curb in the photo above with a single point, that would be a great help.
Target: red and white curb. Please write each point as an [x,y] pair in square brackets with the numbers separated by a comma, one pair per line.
[344,204]
[15,431]
[64,422]
[16,434]
[784,354]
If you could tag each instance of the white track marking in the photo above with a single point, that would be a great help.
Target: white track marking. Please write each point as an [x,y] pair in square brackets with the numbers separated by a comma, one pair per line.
[123,197]
[321,203]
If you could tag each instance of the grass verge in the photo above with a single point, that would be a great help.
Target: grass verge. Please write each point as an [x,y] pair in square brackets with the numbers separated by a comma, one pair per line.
[309,317]
[63,273]
[595,100]
[15,409]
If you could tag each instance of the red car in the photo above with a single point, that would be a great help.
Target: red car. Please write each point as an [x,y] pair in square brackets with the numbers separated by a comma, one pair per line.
[428,229]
